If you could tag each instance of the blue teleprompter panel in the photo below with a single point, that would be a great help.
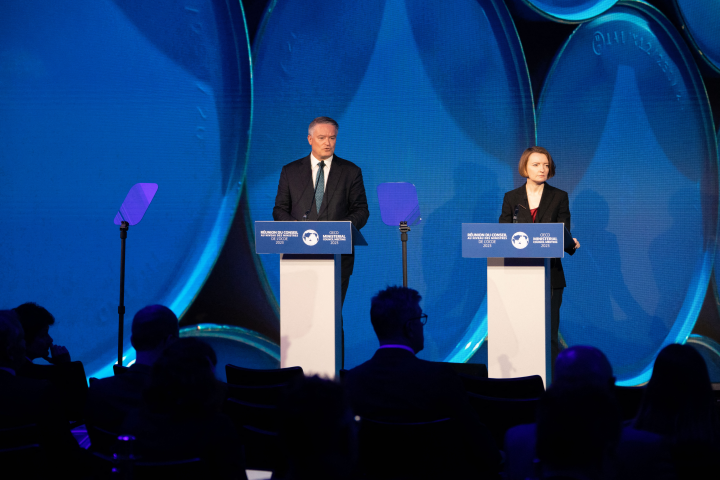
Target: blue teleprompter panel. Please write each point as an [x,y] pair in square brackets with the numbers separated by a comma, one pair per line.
[513,240]
[303,237]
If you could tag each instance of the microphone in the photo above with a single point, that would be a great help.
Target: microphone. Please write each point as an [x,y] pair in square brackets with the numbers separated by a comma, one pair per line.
[313,199]
[517,208]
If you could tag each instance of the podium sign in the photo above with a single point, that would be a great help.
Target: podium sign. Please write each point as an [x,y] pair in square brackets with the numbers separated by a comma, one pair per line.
[513,240]
[304,237]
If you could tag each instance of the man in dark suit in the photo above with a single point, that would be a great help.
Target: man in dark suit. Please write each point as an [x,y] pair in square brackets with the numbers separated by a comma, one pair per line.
[336,195]
[396,386]
[109,400]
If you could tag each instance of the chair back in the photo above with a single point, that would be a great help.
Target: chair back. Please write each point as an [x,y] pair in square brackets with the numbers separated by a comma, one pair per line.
[250,377]
[520,387]
[470,369]
[389,450]
[120,369]
[262,395]
[629,399]
[500,414]
[258,428]
[70,381]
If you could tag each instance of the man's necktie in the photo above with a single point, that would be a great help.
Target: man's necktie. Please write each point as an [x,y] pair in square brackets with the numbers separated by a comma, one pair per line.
[320,185]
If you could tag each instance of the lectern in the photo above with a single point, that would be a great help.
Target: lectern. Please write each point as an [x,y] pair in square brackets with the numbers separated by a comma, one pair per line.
[518,292]
[310,298]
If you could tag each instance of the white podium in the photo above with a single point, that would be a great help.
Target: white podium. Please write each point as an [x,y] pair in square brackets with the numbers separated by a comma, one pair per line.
[310,293]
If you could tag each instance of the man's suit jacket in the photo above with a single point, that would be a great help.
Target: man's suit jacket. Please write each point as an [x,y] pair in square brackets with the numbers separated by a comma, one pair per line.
[395,385]
[554,208]
[344,197]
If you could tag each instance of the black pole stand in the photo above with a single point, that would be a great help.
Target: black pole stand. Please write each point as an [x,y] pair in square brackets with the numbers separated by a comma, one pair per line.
[403,238]
[121,308]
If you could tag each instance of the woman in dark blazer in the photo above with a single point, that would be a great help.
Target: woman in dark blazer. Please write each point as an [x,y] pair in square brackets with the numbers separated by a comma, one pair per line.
[538,202]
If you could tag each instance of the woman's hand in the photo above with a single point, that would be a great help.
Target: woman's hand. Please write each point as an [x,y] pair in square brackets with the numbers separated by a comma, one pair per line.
[577,244]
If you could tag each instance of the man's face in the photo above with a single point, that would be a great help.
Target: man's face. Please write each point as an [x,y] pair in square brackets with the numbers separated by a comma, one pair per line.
[322,140]
[40,346]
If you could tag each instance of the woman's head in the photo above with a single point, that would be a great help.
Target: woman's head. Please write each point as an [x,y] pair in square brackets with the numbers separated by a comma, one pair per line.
[678,399]
[536,160]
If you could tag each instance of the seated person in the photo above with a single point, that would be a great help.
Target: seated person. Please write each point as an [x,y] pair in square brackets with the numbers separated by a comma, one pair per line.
[318,434]
[154,328]
[395,385]
[578,430]
[36,322]
[181,418]
[639,454]
[26,401]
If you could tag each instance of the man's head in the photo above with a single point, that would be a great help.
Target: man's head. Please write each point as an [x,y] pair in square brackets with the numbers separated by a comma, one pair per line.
[322,134]
[35,321]
[153,329]
[12,340]
[583,365]
[395,314]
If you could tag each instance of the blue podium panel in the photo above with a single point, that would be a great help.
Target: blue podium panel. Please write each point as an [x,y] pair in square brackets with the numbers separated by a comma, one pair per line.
[518,240]
[303,237]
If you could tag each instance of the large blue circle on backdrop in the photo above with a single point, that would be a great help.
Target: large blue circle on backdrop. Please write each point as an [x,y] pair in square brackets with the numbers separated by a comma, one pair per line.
[424,94]
[624,112]
[98,95]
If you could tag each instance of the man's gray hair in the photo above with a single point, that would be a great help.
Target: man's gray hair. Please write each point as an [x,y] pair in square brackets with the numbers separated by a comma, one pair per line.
[322,120]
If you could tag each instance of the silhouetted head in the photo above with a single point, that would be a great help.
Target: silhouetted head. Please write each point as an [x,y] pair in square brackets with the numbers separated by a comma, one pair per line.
[396,316]
[678,399]
[583,365]
[153,328]
[318,433]
[36,321]
[12,340]
[183,379]
[578,429]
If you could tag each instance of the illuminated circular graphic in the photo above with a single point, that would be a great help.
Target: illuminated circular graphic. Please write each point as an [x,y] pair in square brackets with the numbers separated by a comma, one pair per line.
[424,94]
[566,11]
[98,96]
[700,22]
[625,115]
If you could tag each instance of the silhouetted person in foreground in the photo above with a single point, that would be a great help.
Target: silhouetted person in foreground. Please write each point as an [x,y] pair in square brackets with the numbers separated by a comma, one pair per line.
[27,401]
[578,429]
[679,403]
[396,386]
[154,328]
[639,454]
[36,322]
[318,432]
[181,418]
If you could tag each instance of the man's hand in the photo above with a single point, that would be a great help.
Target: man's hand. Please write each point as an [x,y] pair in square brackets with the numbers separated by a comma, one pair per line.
[577,244]
[58,354]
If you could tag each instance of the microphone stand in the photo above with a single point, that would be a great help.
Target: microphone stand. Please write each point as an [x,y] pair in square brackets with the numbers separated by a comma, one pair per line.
[124,226]
[403,238]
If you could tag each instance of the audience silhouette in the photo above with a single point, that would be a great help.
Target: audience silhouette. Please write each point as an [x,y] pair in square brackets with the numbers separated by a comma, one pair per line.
[396,386]
[679,403]
[36,322]
[181,417]
[109,400]
[32,403]
[318,432]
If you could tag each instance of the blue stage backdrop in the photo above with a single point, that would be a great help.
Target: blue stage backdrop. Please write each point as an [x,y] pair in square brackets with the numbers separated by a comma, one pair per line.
[95,96]
[98,95]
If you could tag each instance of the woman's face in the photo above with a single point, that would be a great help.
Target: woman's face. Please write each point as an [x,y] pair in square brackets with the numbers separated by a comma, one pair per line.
[538,167]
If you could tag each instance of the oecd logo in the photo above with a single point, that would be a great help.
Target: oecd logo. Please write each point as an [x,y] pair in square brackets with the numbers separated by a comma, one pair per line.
[311,237]
[520,240]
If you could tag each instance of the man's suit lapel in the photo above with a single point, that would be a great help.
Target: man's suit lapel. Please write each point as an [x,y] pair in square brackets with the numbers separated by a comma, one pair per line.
[545,201]
[336,172]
